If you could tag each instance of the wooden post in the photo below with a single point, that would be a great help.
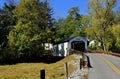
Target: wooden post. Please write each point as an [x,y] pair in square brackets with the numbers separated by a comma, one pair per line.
[80,63]
[42,74]
[66,70]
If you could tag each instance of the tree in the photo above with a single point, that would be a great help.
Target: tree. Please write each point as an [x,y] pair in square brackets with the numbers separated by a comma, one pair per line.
[59,29]
[117,16]
[73,22]
[28,35]
[70,26]
[116,33]
[115,30]
[25,40]
[6,21]
[102,18]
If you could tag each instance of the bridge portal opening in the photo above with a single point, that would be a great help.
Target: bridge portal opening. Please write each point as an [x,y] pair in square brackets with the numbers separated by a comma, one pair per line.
[78,45]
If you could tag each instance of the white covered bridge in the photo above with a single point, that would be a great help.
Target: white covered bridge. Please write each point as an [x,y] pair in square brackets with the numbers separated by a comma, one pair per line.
[63,47]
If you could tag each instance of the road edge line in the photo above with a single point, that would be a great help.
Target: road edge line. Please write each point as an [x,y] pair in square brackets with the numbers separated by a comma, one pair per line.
[111,65]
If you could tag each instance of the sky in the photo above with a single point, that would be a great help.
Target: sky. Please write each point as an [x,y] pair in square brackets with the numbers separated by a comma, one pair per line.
[61,7]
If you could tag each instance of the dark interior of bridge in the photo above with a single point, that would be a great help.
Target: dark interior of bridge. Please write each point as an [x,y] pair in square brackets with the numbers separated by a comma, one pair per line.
[78,45]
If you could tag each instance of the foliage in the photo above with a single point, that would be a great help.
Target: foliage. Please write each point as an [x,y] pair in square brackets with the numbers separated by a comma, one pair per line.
[26,38]
[26,26]
[102,18]
[117,16]
[69,26]
[6,21]
[116,33]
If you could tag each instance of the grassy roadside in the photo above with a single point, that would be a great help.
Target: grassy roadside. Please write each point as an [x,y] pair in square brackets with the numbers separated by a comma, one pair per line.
[32,70]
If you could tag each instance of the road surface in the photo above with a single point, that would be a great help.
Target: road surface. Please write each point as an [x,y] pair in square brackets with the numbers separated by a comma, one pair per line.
[104,66]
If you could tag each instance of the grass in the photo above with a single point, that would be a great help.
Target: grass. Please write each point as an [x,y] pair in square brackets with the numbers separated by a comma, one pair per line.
[32,70]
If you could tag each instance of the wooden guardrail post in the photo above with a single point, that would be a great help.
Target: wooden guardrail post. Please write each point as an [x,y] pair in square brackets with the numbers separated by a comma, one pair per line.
[80,63]
[42,74]
[88,62]
[66,70]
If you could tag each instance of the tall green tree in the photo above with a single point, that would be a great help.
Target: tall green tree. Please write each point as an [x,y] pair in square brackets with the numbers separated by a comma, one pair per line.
[115,30]
[102,18]
[59,29]
[6,21]
[116,37]
[71,25]
[117,16]
[73,22]
[28,35]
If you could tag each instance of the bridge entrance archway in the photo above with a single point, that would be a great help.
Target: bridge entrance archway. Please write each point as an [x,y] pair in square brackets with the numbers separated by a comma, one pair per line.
[78,45]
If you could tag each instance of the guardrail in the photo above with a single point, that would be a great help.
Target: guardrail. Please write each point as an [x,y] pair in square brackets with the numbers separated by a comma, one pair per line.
[101,51]
[115,54]
[42,74]
[76,69]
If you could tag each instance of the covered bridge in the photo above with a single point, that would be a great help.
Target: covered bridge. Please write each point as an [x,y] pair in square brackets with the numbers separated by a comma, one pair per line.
[63,47]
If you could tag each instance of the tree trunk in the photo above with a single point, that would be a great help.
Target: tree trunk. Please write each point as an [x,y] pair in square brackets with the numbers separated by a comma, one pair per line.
[103,45]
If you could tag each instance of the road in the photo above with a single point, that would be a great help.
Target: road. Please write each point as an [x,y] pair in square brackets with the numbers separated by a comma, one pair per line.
[104,66]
